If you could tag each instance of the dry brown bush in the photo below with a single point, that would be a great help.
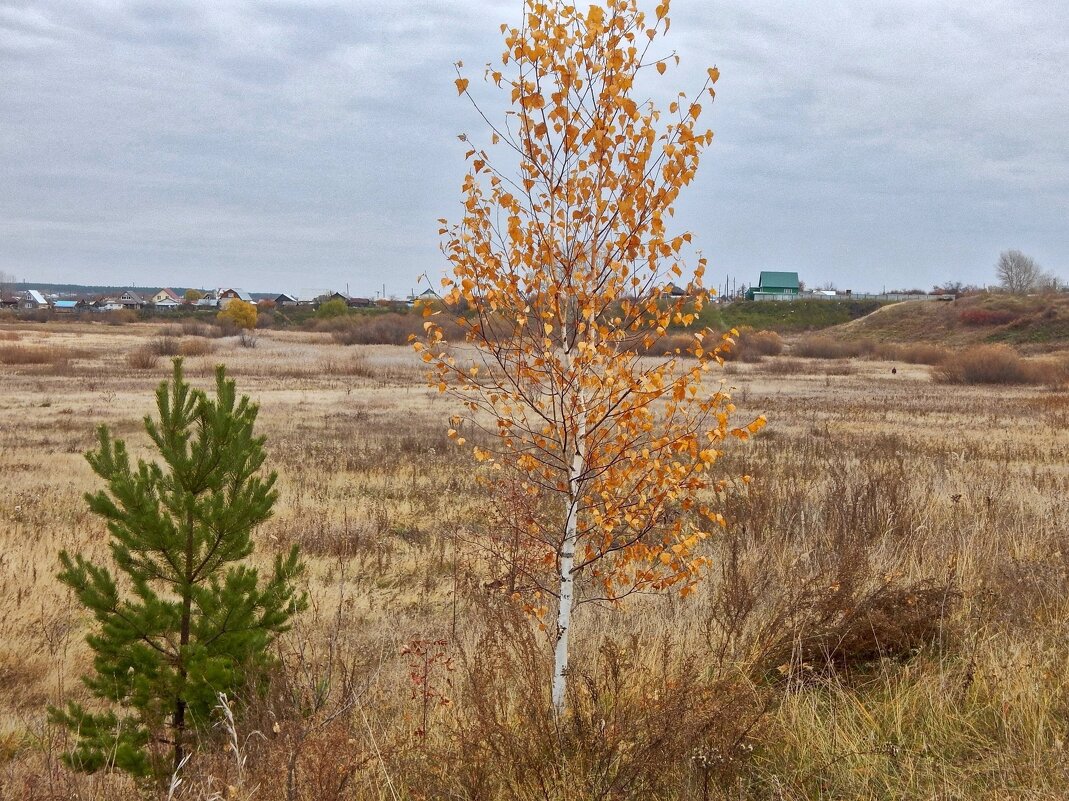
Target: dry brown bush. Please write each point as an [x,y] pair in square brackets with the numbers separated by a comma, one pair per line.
[824,347]
[766,343]
[165,346]
[195,346]
[998,364]
[830,601]
[848,628]
[389,328]
[9,336]
[646,720]
[788,365]
[752,346]
[143,358]
[121,317]
[193,328]
[918,353]
[670,344]
[35,354]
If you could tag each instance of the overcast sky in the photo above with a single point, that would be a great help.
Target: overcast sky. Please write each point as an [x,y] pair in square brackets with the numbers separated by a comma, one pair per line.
[302,144]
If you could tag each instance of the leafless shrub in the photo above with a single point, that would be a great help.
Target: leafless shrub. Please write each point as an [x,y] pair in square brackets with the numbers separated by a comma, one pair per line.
[918,353]
[121,317]
[829,600]
[842,629]
[390,328]
[753,346]
[248,338]
[997,364]
[194,328]
[142,358]
[788,365]
[165,346]
[645,721]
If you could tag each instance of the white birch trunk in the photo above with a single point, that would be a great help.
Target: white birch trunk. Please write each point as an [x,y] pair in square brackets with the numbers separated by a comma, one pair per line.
[567,585]
[566,558]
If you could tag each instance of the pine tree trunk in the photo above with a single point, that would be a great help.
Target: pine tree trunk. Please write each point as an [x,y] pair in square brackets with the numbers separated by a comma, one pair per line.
[180,703]
[179,722]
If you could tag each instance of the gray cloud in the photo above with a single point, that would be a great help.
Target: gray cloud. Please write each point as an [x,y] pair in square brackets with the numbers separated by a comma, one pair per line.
[285,144]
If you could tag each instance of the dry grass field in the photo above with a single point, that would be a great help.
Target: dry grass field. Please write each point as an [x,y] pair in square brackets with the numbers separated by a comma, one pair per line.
[888,616]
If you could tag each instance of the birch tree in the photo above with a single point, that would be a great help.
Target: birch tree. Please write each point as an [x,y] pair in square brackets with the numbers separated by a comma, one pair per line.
[602,458]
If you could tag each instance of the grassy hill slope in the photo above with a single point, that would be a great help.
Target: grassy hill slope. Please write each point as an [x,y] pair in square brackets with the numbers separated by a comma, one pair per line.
[1032,322]
[787,317]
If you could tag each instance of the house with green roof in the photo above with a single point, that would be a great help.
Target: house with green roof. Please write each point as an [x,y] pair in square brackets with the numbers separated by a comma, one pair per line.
[774,286]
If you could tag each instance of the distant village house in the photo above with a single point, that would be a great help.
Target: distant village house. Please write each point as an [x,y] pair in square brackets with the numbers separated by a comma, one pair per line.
[228,296]
[32,299]
[131,300]
[69,306]
[775,286]
[166,299]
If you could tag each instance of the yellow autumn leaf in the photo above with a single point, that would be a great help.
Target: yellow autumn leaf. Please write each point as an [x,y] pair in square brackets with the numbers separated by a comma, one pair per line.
[462,85]
[661,67]
[533,101]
